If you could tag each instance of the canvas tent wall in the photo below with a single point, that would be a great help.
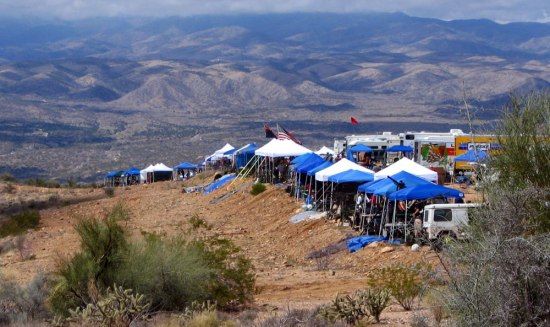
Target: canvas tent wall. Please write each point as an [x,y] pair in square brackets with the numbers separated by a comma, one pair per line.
[156,173]
[405,164]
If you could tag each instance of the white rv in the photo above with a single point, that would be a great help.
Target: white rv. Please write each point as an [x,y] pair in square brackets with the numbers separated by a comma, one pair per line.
[429,146]
[378,142]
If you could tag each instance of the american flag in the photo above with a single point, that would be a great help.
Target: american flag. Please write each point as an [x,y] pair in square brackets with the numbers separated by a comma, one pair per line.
[286,135]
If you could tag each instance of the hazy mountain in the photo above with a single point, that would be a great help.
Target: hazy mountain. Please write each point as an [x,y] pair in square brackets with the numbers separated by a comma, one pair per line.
[109,93]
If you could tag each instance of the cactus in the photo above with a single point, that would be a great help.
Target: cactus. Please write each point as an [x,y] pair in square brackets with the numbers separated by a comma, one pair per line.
[349,308]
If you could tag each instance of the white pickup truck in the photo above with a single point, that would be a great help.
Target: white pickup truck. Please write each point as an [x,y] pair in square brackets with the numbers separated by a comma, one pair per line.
[446,220]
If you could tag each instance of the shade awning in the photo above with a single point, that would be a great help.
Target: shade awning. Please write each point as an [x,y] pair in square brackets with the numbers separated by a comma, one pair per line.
[186,165]
[405,164]
[325,151]
[390,184]
[361,148]
[351,176]
[400,148]
[281,148]
[324,165]
[339,167]
[472,156]
[423,192]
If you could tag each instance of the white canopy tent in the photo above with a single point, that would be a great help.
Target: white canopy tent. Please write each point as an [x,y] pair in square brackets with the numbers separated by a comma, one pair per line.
[281,148]
[324,151]
[219,153]
[162,167]
[159,167]
[340,166]
[411,167]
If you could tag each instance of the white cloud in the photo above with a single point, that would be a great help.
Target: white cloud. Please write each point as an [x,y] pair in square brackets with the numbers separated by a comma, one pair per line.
[499,10]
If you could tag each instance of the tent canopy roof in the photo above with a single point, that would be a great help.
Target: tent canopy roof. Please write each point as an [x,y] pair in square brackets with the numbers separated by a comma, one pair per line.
[115,173]
[339,167]
[186,165]
[306,158]
[351,176]
[281,148]
[247,149]
[400,148]
[224,149]
[132,171]
[473,156]
[423,192]
[314,170]
[387,185]
[361,148]
[324,151]
[405,164]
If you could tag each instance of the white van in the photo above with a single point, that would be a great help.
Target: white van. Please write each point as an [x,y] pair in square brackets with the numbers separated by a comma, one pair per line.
[446,220]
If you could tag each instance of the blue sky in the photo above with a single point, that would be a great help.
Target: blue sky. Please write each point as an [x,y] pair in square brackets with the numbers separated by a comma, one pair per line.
[498,10]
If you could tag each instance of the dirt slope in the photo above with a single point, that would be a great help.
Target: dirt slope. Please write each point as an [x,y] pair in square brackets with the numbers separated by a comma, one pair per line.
[259,224]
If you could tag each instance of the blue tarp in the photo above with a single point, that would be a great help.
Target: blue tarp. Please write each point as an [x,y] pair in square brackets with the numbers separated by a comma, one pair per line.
[386,186]
[322,166]
[132,172]
[400,148]
[219,183]
[186,165]
[423,192]
[357,148]
[307,157]
[472,156]
[359,242]
[351,176]
[244,155]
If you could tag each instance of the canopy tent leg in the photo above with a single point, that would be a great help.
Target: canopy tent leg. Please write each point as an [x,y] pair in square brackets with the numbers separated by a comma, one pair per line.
[324,209]
[406,226]
[355,211]
[393,219]
[331,194]
[383,216]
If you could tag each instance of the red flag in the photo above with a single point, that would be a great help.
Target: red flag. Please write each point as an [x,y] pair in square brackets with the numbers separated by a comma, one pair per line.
[354,121]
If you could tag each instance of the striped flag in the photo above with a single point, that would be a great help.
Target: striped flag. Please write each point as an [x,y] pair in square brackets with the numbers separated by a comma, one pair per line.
[286,135]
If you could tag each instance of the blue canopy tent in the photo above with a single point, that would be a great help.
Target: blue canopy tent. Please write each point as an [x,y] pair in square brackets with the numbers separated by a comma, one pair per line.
[386,186]
[186,166]
[423,192]
[229,152]
[322,166]
[113,177]
[132,172]
[351,176]
[356,149]
[473,156]
[307,162]
[307,157]
[400,148]
[244,155]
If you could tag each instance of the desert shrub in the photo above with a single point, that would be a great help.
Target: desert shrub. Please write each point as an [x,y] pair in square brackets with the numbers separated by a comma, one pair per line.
[376,300]
[500,276]
[7,177]
[405,283]
[109,191]
[348,308]
[21,305]
[257,188]
[197,222]
[419,321]
[299,317]
[20,223]
[102,243]
[117,307]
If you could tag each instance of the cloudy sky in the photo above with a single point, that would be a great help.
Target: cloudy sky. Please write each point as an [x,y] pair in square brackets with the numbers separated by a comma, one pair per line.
[498,10]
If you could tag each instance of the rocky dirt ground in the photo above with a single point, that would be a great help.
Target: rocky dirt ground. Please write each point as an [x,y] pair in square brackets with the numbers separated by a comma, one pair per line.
[259,224]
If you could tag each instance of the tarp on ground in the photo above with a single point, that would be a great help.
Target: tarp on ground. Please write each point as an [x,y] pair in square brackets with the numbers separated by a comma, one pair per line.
[281,148]
[338,167]
[400,148]
[219,183]
[186,165]
[405,164]
[423,192]
[351,176]
[324,151]
[324,165]
[472,156]
[386,186]
[306,157]
[359,242]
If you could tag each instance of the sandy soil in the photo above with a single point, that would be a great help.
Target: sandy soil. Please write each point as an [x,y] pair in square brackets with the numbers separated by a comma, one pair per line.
[259,224]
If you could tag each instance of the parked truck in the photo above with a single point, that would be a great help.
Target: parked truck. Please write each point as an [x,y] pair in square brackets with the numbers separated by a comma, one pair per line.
[448,220]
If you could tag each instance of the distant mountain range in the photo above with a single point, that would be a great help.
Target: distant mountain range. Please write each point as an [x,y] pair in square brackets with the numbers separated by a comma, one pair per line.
[80,97]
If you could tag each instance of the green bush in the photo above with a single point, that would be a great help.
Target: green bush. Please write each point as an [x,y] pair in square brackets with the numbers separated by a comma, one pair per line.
[20,223]
[405,283]
[109,191]
[348,308]
[376,300]
[7,177]
[257,188]
[102,245]
[171,273]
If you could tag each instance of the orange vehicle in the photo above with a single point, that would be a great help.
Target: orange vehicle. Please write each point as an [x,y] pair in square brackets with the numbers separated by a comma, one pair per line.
[463,143]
